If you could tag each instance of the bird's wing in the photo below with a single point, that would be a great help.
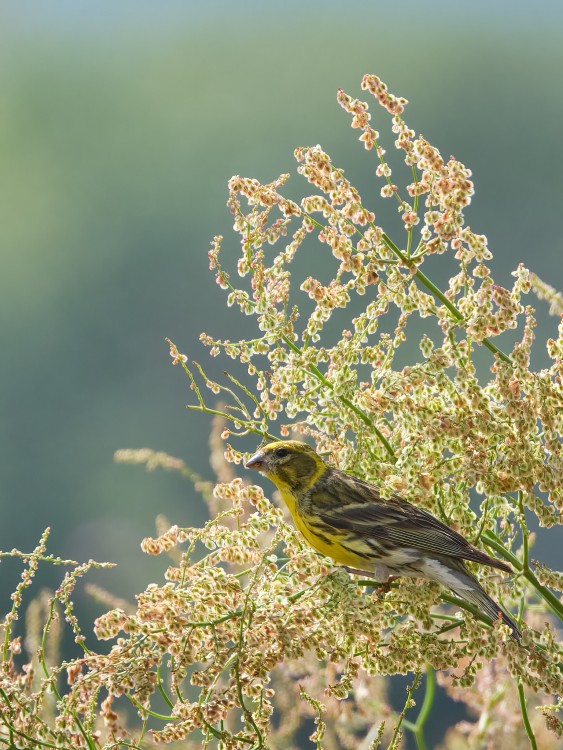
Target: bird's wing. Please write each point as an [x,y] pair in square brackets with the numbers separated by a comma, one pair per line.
[350,504]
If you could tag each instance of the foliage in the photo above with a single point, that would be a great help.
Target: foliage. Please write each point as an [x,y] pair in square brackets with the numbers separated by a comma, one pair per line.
[250,622]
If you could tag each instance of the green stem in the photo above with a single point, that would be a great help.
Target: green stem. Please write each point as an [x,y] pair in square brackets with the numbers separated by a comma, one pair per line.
[161,689]
[524,527]
[548,596]
[525,717]
[313,370]
[415,209]
[483,521]
[408,725]
[14,731]
[455,623]
[238,422]
[144,709]
[429,692]
[493,541]
[467,606]
[441,296]
[89,741]
[346,401]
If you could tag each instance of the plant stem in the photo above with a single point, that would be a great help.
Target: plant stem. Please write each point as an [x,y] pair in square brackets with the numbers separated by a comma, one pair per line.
[462,604]
[440,295]
[525,717]
[357,411]
[89,741]
[408,704]
[548,596]
[429,692]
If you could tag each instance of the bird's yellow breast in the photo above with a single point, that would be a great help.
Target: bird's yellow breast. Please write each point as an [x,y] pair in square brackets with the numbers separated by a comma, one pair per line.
[339,546]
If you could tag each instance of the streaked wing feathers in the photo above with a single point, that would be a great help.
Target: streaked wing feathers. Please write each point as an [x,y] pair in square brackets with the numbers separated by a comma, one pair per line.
[353,505]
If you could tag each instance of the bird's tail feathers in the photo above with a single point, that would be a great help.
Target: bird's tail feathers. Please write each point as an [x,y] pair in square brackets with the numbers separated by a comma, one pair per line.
[471,590]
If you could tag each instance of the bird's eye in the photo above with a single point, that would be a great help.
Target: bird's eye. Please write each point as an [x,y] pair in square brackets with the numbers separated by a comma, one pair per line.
[282,453]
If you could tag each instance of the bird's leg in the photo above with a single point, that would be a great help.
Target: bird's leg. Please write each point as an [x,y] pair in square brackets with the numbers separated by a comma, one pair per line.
[382,579]
[383,587]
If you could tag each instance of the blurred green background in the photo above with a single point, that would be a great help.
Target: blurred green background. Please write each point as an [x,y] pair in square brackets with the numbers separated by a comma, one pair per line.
[120,124]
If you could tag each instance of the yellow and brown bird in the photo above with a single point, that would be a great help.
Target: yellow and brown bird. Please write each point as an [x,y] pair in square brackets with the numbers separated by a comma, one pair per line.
[346,519]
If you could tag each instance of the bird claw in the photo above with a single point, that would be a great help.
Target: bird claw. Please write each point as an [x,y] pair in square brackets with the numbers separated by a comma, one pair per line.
[381,587]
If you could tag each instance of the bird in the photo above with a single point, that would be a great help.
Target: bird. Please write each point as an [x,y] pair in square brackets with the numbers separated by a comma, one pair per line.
[346,518]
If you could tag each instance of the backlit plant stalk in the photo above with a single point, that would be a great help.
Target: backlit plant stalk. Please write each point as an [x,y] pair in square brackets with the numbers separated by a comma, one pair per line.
[435,430]
[253,640]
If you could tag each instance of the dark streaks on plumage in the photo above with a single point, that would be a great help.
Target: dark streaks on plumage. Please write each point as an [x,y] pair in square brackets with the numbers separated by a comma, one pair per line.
[346,519]
[393,520]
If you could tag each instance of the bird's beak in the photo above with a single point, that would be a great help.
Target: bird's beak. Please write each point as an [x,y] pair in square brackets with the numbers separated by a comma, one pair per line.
[257,461]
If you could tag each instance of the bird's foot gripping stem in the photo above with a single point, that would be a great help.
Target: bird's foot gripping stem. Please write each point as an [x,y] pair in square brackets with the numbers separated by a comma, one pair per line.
[382,586]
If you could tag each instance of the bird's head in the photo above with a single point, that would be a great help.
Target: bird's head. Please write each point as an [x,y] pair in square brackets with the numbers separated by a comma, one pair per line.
[288,463]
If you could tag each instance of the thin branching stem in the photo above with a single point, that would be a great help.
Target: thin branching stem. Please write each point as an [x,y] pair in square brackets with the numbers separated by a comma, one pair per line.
[425,709]
[357,411]
[393,745]
[437,292]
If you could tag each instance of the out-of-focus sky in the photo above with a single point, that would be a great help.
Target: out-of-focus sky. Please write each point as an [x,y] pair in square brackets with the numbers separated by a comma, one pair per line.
[120,124]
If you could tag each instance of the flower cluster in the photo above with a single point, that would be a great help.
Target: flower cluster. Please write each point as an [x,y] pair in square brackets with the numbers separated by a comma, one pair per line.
[253,639]
[447,427]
